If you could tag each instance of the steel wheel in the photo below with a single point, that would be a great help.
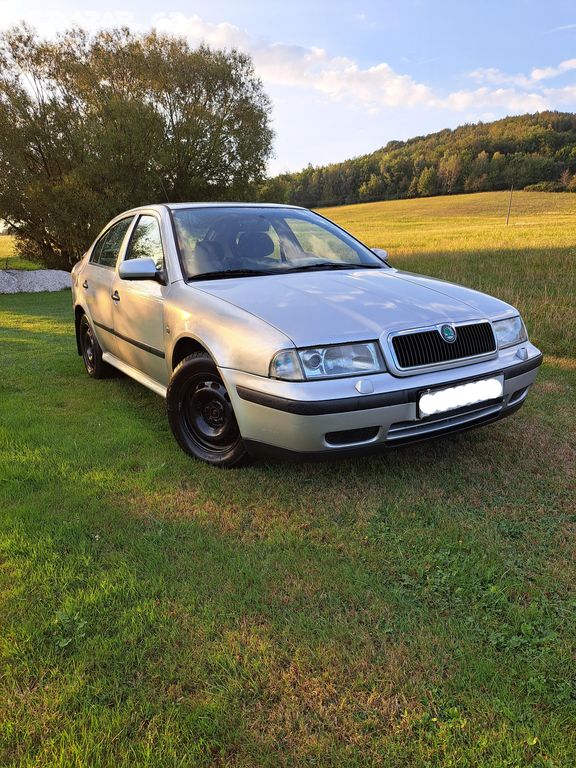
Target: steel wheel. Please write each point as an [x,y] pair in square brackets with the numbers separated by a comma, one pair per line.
[208,413]
[201,415]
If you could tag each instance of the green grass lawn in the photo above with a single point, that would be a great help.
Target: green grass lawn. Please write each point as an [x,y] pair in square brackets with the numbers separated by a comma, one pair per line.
[8,257]
[415,608]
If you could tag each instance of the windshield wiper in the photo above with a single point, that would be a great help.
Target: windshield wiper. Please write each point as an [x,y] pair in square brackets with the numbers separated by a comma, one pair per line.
[222,273]
[229,273]
[331,265]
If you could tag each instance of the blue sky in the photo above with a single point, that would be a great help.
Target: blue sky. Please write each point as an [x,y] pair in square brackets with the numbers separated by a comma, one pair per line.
[346,77]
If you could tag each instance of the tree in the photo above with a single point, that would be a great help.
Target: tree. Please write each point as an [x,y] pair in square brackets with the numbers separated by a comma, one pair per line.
[372,189]
[477,178]
[449,172]
[428,182]
[566,179]
[91,125]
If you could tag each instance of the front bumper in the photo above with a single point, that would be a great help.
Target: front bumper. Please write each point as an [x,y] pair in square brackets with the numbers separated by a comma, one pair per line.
[331,417]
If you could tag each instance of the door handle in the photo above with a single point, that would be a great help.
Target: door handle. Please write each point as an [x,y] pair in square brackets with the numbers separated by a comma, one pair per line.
[115,296]
[85,284]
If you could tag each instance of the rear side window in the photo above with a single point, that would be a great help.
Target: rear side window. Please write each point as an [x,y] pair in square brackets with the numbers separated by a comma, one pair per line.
[146,242]
[106,250]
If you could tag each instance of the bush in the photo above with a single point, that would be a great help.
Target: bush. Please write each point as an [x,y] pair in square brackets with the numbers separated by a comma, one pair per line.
[545,186]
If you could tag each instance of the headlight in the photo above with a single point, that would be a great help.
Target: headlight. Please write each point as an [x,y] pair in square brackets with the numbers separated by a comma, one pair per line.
[327,362]
[510,332]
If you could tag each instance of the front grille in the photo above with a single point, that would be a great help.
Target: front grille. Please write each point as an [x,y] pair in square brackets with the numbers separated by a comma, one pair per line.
[421,348]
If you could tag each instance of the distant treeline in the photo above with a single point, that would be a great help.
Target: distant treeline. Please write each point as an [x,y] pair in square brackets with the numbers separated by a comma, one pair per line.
[531,151]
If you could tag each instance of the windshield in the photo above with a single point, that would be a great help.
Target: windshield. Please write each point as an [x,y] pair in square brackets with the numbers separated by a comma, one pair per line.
[235,241]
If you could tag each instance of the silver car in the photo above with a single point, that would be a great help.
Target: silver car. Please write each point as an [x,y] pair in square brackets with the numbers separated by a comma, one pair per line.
[270,330]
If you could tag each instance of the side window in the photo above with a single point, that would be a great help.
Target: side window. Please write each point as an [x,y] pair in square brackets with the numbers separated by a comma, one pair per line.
[97,250]
[113,243]
[105,252]
[146,242]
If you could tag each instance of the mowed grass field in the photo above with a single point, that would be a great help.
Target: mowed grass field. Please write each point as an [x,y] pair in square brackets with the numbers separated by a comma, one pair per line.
[8,257]
[415,608]
[465,239]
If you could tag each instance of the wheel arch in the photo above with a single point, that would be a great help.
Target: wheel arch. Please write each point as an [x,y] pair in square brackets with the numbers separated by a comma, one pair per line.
[186,345]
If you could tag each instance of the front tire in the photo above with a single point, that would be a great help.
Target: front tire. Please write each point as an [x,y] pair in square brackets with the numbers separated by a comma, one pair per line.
[200,413]
[91,351]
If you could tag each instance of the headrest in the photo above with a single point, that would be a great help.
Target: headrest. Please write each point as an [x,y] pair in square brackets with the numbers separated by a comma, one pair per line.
[255,245]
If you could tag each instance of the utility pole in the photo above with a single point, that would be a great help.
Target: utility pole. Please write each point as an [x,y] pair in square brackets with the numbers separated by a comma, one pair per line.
[509,205]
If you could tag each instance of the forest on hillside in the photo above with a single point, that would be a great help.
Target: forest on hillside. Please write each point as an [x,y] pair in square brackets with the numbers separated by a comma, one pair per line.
[530,151]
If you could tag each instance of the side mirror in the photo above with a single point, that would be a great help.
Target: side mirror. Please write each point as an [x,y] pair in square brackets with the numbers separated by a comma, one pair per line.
[140,269]
[382,254]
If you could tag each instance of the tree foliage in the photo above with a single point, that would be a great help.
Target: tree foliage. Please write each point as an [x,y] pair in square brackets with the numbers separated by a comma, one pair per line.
[91,125]
[525,150]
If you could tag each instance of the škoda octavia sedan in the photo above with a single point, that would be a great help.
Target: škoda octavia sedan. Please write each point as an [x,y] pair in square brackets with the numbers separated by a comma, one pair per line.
[270,330]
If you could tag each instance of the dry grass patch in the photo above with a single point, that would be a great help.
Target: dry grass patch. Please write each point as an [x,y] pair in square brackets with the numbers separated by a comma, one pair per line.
[309,705]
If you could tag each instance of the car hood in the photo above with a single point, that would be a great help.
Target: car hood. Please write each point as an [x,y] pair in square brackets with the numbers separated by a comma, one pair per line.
[326,307]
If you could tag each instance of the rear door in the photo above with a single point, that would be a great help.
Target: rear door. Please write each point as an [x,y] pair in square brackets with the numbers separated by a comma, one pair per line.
[97,279]
[139,305]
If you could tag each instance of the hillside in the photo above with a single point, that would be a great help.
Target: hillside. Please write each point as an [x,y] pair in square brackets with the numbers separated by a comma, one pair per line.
[526,150]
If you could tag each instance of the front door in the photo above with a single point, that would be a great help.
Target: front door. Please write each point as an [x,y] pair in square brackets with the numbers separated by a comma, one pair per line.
[139,306]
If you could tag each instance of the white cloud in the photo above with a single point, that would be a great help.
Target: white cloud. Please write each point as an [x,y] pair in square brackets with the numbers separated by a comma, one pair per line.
[280,64]
[562,96]
[563,28]
[337,78]
[376,87]
[221,35]
[494,76]
[498,98]
[548,72]
[51,21]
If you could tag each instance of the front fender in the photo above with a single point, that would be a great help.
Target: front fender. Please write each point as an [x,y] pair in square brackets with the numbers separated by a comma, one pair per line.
[232,336]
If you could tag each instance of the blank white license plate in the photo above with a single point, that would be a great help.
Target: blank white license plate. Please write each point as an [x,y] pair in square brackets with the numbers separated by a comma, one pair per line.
[460,396]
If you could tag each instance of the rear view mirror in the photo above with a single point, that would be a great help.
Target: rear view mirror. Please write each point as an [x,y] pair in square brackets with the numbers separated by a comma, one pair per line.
[381,253]
[140,269]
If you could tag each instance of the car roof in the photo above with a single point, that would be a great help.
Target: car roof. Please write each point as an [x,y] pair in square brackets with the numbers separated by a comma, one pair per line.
[232,204]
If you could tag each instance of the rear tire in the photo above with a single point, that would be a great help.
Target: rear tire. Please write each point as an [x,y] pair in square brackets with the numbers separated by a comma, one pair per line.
[91,352]
[200,413]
